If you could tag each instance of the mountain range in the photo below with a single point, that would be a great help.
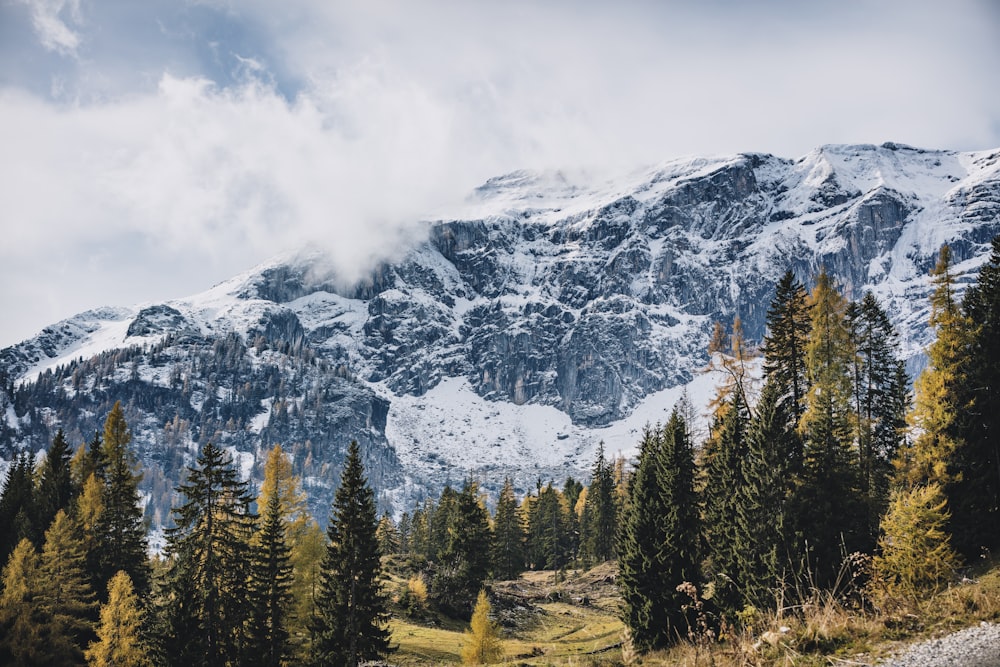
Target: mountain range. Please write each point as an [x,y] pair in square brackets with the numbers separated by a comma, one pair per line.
[549,312]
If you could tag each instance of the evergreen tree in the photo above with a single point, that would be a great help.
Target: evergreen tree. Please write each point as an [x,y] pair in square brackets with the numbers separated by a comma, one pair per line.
[939,398]
[548,547]
[270,587]
[724,489]
[974,497]
[507,554]
[55,487]
[464,563]
[17,507]
[121,532]
[387,535]
[830,494]
[658,543]
[89,506]
[440,518]
[881,399]
[209,565]
[482,643]
[788,325]
[764,531]
[600,512]
[351,625]
[120,641]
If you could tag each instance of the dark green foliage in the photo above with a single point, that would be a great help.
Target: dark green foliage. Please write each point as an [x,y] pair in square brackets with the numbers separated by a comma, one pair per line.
[788,325]
[548,531]
[351,626]
[600,513]
[209,565]
[724,460]
[881,400]
[55,487]
[121,533]
[464,562]
[507,553]
[974,499]
[658,544]
[269,590]
[17,507]
[765,536]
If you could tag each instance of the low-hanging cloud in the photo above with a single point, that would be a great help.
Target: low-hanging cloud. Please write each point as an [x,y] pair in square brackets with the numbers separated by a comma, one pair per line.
[343,124]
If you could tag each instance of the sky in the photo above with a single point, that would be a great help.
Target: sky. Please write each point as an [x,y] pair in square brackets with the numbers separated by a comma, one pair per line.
[149,150]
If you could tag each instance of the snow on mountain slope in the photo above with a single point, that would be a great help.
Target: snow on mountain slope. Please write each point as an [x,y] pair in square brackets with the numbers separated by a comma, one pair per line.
[549,312]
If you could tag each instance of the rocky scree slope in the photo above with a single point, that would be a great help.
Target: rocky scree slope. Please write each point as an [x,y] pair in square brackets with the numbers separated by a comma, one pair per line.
[550,311]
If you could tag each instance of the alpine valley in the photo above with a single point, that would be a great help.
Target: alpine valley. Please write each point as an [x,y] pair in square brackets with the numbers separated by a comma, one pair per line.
[550,312]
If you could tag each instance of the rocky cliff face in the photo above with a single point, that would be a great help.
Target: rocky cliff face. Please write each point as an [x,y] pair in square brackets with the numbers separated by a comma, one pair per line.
[545,315]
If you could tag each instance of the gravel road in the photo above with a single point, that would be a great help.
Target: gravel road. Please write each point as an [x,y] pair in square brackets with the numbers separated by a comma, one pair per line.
[978,646]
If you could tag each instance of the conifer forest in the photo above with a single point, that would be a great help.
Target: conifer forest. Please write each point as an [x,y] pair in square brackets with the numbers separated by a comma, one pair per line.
[826,470]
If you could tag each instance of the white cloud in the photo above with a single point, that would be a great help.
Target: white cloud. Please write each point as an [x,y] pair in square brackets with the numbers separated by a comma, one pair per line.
[49,19]
[400,107]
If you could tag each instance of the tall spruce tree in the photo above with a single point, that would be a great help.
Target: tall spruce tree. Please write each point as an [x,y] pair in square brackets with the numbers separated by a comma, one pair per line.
[881,400]
[120,530]
[830,489]
[788,326]
[600,513]
[351,626]
[658,543]
[974,496]
[548,543]
[17,505]
[55,486]
[507,553]
[764,530]
[269,590]
[209,565]
[724,459]
[464,562]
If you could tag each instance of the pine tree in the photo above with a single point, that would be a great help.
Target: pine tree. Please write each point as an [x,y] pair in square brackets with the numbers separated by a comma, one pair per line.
[305,539]
[65,587]
[29,635]
[881,399]
[939,398]
[269,589]
[121,532]
[658,543]
[547,530]
[55,487]
[915,555]
[507,554]
[764,530]
[464,562]
[209,565]
[482,643]
[788,325]
[120,641]
[17,506]
[351,625]
[725,456]
[974,497]
[387,535]
[829,497]
[600,513]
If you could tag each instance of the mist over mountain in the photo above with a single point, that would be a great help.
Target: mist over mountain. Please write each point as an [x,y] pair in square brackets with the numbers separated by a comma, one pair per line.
[550,312]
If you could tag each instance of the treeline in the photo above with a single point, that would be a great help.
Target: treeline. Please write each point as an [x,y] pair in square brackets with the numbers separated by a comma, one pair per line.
[829,477]
[242,579]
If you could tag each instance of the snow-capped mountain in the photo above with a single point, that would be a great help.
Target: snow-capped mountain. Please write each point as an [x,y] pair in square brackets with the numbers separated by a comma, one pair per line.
[551,311]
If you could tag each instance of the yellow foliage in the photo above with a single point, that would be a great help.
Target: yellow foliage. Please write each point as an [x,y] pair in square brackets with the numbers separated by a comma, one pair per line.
[119,640]
[482,643]
[417,589]
[915,552]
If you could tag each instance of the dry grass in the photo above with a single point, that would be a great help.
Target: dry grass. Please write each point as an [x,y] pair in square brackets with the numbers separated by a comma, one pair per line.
[572,619]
